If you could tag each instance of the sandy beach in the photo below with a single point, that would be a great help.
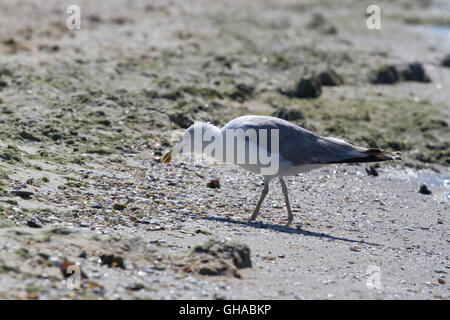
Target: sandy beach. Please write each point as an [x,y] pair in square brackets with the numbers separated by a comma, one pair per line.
[86,115]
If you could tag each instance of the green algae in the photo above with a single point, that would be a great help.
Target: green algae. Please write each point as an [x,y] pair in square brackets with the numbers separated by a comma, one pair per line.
[415,128]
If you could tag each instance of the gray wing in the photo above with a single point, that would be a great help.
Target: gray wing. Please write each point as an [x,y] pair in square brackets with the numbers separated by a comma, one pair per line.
[299,145]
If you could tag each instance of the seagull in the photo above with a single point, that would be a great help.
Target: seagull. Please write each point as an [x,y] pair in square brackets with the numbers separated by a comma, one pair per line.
[292,148]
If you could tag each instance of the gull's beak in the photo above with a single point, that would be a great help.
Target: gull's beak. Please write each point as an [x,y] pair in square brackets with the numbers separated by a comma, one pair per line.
[167,156]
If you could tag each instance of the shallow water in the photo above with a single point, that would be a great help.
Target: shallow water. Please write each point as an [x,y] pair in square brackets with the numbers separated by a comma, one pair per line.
[441,32]
[438,183]
[439,35]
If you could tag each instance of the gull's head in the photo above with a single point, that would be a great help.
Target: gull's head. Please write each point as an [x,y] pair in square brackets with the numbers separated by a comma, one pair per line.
[193,140]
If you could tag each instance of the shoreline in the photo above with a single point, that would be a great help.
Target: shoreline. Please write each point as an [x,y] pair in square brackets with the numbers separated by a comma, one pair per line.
[86,115]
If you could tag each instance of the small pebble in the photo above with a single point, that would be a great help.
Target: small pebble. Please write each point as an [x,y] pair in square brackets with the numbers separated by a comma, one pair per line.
[424,189]
[33,224]
[371,171]
[213,184]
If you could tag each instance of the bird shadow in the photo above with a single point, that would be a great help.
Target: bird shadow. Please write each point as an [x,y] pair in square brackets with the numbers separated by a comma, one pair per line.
[287,229]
